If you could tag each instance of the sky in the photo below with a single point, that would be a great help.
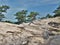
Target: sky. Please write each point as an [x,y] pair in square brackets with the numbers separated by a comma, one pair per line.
[42,6]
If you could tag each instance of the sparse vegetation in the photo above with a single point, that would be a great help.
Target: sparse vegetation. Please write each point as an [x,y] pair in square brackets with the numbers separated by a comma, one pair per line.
[23,16]
[3,9]
[57,12]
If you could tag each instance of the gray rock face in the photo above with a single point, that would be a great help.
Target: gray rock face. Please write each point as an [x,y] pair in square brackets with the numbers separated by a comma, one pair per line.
[33,34]
[55,40]
[54,24]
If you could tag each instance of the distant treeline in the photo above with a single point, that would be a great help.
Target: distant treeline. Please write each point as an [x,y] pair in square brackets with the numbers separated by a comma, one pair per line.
[23,16]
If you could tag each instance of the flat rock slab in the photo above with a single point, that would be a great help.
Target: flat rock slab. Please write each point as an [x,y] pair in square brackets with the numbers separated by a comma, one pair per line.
[55,41]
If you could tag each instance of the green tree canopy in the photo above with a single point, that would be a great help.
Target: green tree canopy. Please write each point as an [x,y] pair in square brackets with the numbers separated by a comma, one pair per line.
[48,16]
[33,15]
[21,16]
[1,16]
[3,8]
[57,12]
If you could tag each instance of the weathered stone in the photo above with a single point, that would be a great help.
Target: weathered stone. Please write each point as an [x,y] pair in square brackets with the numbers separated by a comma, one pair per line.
[33,34]
[55,40]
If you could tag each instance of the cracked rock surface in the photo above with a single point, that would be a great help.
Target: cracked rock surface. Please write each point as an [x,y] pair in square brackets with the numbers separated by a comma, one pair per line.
[42,32]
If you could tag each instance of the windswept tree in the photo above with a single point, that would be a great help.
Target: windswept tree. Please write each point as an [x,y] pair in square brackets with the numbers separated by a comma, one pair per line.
[21,16]
[57,12]
[3,9]
[24,12]
[32,16]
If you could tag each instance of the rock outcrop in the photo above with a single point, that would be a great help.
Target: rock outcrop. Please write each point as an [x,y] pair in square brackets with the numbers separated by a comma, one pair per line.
[42,32]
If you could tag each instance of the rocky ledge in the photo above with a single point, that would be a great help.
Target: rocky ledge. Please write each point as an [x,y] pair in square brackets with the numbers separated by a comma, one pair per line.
[41,32]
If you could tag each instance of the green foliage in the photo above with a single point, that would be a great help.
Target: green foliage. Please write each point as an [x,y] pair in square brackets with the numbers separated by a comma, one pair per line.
[1,16]
[32,16]
[43,18]
[3,9]
[21,16]
[8,21]
[57,12]
[49,16]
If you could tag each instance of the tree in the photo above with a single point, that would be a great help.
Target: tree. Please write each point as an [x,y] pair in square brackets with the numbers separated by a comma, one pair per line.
[1,16]
[21,16]
[57,12]
[32,16]
[8,21]
[3,9]
[43,18]
[24,12]
[48,16]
